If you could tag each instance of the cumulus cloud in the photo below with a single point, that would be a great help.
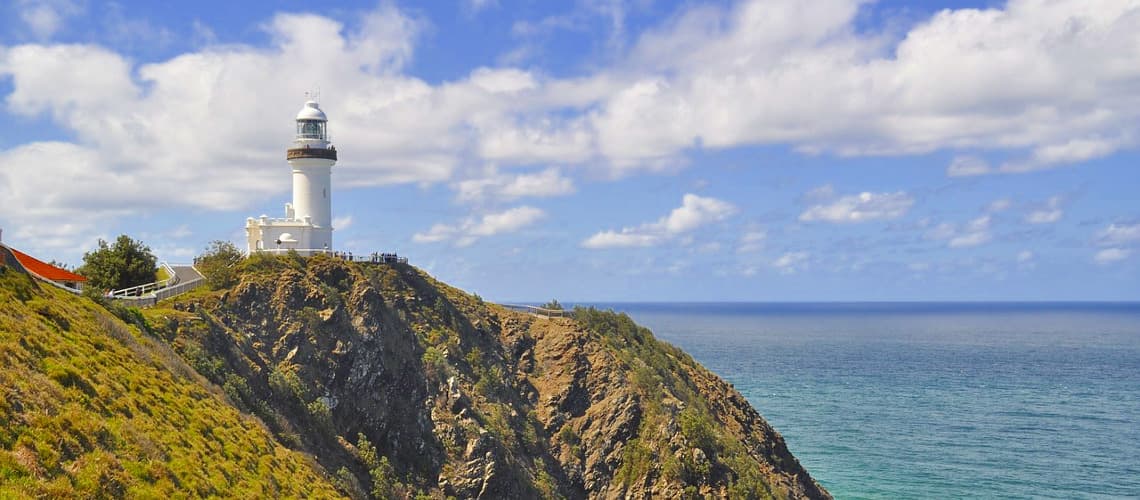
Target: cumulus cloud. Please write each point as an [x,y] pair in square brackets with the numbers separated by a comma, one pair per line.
[471,229]
[1120,240]
[969,234]
[862,207]
[342,223]
[694,212]
[1119,234]
[478,5]
[1026,260]
[498,187]
[968,166]
[1110,255]
[1049,213]
[752,241]
[999,205]
[46,17]
[1050,82]
[791,262]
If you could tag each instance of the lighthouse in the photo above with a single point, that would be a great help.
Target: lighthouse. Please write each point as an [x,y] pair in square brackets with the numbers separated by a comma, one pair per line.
[307,225]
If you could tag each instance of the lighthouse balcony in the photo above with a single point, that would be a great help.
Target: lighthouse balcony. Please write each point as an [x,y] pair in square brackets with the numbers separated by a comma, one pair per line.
[322,153]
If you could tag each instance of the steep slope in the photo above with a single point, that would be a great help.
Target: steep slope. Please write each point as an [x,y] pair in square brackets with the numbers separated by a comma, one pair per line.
[404,385]
[94,408]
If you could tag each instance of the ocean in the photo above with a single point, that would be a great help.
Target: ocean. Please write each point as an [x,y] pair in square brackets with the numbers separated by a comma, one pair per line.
[931,400]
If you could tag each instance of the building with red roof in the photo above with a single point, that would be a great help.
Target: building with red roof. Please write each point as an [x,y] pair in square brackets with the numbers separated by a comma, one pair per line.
[43,270]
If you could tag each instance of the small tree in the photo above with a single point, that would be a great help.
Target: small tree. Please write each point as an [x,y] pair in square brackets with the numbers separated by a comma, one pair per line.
[219,264]
[552,305]
[125,264]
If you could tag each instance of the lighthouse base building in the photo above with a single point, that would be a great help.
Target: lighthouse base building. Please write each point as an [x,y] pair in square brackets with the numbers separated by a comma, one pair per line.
[307,225]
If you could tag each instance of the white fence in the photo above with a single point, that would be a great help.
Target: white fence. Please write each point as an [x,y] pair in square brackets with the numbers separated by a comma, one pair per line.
[539,311]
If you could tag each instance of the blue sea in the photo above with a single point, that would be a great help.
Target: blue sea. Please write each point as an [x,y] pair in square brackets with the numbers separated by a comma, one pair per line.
[922,400]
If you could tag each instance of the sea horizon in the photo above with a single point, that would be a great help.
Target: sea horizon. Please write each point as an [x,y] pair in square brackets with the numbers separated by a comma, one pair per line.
[926,399]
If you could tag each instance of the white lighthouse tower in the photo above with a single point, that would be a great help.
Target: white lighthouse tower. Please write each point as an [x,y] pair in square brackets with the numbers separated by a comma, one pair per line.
[307,226]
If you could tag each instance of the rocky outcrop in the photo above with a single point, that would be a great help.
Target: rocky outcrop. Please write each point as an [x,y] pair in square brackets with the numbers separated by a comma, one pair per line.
[464,398]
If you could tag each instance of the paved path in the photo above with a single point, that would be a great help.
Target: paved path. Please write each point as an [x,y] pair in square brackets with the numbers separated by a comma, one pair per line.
[186,273]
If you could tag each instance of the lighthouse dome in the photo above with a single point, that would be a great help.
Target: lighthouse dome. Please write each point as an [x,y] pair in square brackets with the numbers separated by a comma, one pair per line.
[312,111]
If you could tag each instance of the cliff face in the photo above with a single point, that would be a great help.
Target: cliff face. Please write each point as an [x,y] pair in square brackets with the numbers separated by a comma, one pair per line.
[399,385]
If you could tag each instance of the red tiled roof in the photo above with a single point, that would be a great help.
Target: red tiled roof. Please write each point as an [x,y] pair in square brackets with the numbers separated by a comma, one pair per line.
[44,269]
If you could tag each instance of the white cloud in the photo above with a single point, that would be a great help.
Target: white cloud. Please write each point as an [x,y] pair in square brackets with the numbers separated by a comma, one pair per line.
[862,207]
[1119,234]
[471,229]
[791,262]
[1110,255]
[966,166]
[1031,75]
[999,205]
[970,234]
[1047,214]
[1051,81]
[1026,260]
[752,241]
[694,212]
[1120,240]
[46,17]
[478,5]
[1069,152]
[625,238]
[503,187]
[342,223]
[819,194]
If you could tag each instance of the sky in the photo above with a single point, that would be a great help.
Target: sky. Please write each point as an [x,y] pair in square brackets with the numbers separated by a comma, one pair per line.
[602,150]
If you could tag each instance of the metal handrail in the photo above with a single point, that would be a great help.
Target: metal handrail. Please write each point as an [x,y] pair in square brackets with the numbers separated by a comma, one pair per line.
[147,288]
[540,311]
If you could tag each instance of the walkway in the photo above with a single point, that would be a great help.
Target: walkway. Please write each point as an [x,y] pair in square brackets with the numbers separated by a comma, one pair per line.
[538,311]
[183,278]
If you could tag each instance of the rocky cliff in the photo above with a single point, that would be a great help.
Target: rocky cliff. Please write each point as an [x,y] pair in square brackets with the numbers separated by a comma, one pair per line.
[399,385]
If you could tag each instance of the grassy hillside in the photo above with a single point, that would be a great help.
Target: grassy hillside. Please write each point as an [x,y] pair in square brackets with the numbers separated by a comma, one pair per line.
[94,407]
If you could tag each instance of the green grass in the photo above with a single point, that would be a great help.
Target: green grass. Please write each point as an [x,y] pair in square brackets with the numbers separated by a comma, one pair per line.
[93,407]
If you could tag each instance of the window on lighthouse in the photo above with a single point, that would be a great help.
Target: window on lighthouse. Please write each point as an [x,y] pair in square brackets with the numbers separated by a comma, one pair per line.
[310,129]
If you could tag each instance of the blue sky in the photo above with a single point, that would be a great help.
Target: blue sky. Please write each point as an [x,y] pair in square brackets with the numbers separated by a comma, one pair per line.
[769,150]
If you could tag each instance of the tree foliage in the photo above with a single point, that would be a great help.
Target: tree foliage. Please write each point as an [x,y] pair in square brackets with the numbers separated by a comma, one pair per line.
[124,264]
[219,264]
[552,305]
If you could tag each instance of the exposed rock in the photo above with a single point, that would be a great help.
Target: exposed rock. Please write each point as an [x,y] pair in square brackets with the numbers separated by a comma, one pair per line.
[471,400]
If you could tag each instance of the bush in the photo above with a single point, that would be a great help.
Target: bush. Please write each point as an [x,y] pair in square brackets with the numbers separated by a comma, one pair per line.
[125,264]
[321,416]
[698,429]
[553,304]
[219,264]
[435,362]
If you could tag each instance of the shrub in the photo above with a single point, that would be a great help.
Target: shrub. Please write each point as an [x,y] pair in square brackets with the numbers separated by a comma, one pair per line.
[553,304]
[435,362]
[321,416]
[383,479]
[490,381]
[125,264]
[698,429]
[286,384]
[219,264]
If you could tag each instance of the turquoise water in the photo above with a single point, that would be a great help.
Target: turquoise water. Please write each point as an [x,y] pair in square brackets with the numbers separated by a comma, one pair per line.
[934,400]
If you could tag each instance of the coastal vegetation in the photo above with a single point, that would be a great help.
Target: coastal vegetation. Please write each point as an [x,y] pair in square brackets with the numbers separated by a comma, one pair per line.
[335,378]
[123,264]
[95,407]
